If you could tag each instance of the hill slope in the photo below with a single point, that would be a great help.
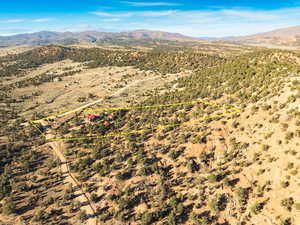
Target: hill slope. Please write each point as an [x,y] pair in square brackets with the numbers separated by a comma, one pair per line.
[287,36]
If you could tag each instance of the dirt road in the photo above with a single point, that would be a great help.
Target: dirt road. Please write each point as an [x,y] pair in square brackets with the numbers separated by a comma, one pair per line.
[83,197]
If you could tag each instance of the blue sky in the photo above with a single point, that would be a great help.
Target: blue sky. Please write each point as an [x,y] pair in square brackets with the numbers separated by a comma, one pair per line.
[199,18]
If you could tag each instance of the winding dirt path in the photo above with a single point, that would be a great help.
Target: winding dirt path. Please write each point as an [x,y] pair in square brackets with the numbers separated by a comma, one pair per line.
[83,197]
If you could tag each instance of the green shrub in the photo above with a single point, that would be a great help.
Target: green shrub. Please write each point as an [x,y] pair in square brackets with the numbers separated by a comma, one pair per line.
[287,221]
[218,203]
[285,184]
[257,208]
[287,203]
[147,218]
[9,207]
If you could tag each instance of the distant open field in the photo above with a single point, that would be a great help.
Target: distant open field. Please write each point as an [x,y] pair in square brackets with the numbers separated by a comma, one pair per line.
[13,50]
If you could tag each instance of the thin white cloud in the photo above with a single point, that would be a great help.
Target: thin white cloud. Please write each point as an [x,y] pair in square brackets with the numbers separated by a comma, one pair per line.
[112,20]
[139,13]
[158,13]
[151,3]
[250,14]
[77,28]
[106,14]
[15,20]
[39,20]
[42,20]
[12,31]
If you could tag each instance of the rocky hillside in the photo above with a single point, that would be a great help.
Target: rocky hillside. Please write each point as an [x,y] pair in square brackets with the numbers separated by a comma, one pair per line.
[287,36]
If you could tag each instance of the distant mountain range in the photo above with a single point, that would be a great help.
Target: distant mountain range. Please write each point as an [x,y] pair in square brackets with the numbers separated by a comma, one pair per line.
[286,36]
[47,37]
